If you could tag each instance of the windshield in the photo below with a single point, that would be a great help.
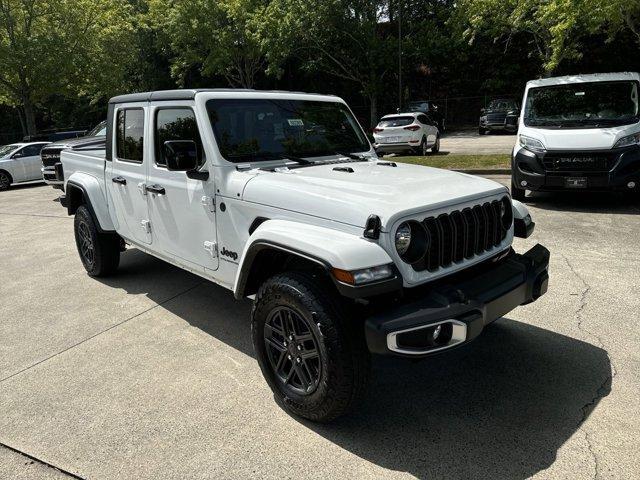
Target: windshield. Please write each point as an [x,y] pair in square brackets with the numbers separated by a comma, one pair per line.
[505,105]
[583,104]
[395,122]
[7,149]
[263,129]
[99,130]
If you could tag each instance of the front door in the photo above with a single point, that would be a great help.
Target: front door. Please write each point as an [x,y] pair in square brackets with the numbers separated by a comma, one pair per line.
[126,175]
[31,162]
[181,209]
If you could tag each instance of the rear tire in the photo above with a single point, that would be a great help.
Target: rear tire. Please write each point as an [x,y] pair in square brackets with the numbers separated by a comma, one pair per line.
[312,356]
[424,150]
[517,193]
[5,180]
[99,252]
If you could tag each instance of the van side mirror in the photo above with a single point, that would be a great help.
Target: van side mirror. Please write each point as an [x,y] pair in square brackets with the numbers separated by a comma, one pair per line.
[181,155]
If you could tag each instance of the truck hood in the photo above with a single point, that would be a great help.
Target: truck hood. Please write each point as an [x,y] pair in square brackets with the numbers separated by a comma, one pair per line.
[371,188]
[580,139]
[79,142]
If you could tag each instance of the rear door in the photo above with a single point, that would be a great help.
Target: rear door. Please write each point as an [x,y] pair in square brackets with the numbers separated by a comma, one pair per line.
[430,128]
[125,178]
[31,161]
[183,216]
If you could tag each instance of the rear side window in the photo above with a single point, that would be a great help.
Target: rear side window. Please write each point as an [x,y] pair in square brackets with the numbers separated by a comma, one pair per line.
[130,134]
[396,122]
[175,124]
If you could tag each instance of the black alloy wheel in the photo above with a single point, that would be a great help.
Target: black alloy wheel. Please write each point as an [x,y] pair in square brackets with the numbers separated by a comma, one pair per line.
[292,349]
[5,181]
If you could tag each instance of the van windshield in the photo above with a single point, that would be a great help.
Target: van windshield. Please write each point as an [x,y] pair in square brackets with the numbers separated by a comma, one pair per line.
[580,105]
[249,130]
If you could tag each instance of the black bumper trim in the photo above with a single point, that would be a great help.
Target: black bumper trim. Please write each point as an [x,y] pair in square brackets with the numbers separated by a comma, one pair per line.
[478,301]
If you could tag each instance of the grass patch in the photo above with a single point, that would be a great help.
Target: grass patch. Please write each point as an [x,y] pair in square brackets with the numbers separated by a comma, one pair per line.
[461,162]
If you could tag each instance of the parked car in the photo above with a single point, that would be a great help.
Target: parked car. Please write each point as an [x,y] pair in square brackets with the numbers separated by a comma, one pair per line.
[19,162]
[406,132]
[50,155]
[500,116]
[280,197]
[579,132]
[431,109]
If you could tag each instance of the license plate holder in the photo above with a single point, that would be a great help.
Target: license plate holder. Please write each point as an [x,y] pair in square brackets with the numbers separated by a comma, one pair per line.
[575,182]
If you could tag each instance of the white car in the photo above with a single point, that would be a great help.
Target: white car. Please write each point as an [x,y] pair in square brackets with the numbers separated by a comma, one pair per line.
[280,197]
[579,132]
[406,132]
[20,162]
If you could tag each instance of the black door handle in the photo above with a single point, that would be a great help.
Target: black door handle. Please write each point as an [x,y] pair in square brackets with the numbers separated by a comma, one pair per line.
[155,189]
[120,180]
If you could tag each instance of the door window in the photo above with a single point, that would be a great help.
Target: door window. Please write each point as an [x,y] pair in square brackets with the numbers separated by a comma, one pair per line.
[130,134]
[31,150]
[175,124]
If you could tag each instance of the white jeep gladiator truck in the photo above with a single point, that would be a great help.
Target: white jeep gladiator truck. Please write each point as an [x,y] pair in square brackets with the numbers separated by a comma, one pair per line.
[280,197]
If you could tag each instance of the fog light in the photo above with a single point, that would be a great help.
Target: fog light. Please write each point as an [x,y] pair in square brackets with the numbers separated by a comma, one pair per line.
[436,332]
[631,184]
[523,183]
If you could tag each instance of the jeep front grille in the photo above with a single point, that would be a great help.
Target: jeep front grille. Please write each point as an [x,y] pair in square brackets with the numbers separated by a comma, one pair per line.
[462,234]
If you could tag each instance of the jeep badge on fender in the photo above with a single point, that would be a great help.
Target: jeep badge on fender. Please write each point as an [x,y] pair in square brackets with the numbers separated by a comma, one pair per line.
[344,256]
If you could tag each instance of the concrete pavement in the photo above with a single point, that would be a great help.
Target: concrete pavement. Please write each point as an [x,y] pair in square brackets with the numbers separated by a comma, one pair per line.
[150,373]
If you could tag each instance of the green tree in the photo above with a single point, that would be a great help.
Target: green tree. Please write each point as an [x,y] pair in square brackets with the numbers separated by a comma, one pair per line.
[60,46]
[213,36]
[351,40]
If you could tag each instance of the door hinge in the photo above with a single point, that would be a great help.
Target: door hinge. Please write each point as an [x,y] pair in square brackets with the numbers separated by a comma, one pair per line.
[208,202]
[146,225]
[212,248]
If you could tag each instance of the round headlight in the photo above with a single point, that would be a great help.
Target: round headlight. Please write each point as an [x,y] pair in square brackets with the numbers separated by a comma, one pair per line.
[506,213]
[412,241]
[403,238]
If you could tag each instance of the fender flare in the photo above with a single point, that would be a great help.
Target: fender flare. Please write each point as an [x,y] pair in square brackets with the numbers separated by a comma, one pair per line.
[326,247]
[522,224]
[95,199]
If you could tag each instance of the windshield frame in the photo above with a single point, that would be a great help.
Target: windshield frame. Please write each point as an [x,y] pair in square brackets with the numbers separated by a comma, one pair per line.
[101,126]
[585,123]
[267,157]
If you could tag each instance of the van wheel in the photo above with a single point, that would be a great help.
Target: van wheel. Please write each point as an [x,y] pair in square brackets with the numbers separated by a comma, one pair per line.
[314,359]
[517,193]
[436,146]
[5,180]
[99,252]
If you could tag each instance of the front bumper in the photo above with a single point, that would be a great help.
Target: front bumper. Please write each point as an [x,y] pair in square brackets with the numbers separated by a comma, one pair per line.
[461,306]
[53,175]
[499,127]
[622,169]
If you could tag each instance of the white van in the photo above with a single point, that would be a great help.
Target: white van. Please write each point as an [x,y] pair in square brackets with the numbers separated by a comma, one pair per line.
[578,132]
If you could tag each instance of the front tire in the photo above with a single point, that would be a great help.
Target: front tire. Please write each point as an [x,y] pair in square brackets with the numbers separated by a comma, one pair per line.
[99,252]
[5,180]
[314,358]
[436,145]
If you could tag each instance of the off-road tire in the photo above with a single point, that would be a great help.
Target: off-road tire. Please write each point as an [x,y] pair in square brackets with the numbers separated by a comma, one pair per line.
[5,180]
[436,145]
[99,252]
[517,193]
[344,360]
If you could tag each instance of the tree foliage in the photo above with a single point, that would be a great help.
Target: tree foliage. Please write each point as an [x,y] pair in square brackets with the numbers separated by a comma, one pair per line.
[60,46]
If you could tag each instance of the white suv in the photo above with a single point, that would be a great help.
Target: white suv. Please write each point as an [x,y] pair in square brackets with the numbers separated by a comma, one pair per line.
[406,132]
[280,197]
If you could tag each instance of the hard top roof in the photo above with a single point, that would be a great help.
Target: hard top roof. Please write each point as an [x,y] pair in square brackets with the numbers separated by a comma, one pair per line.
[189,94]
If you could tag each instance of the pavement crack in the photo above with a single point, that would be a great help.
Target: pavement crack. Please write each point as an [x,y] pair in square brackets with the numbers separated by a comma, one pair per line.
[103,331]
[41,462]
[35,215]
[607,383]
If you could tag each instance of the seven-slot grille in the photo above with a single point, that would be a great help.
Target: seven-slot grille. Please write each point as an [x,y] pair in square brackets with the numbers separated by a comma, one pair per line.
[462,234]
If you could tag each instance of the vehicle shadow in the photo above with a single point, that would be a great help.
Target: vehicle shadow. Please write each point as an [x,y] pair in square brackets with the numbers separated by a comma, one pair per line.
[498,408]
[586,202]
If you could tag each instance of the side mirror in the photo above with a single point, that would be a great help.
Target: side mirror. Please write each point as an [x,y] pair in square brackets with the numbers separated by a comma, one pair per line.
[483,110]
[181,155]
[17,155]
